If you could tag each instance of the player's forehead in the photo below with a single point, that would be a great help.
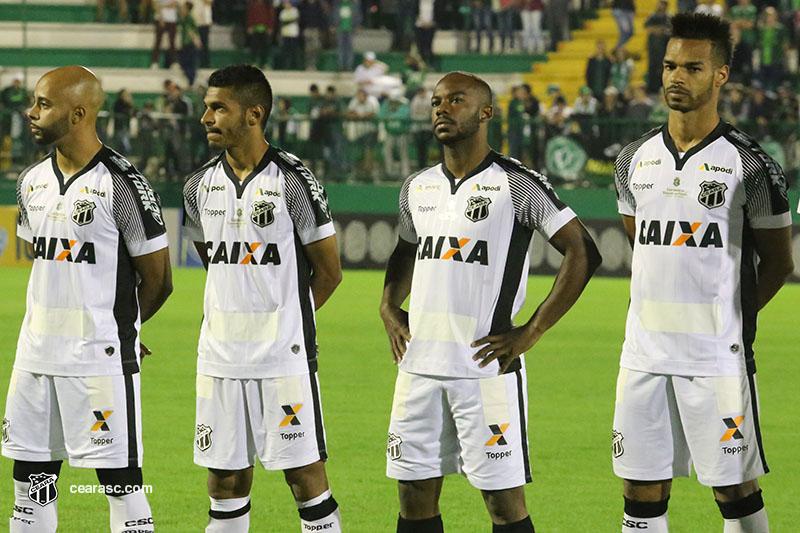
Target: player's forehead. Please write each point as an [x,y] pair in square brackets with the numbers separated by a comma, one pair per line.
[47,90]
[220,95]
[683,51]
[454,84]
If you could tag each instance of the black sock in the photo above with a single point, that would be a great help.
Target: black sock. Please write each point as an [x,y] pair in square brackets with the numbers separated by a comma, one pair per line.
[426,525]
[523,526]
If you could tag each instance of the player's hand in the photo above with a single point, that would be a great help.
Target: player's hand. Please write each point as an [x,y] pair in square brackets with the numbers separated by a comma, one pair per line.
[144,351]
[505,346]
[395,320]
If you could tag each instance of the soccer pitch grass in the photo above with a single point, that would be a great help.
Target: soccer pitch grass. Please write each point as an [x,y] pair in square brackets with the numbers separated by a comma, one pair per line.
[571,380]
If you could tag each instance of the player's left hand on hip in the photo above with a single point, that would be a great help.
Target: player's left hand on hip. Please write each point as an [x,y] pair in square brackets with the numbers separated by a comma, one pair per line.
[144,351]
[505,347]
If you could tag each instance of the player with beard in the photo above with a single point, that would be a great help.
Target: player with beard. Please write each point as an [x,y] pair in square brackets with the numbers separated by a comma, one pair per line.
[708,218]
[460,402]
[100,269]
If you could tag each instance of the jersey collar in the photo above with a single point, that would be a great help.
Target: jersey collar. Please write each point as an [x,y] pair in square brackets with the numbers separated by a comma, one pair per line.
[715,134]
[64,185]
[455,183]
[241,185]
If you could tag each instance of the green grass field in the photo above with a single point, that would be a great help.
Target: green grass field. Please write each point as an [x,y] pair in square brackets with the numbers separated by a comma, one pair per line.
[571,379]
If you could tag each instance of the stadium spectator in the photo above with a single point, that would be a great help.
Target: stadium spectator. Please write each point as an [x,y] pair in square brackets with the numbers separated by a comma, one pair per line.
[289,20]
[787,108]
[494,130]
[124,110]
[403,23]
[420,112]
[175,132]
[122,10]
[586,105]
[553,93]
[413,76]
[260,24]
[506,16]
[166,22]
[773,42]
[557,118]
[287,125]
[314,26]
[743,17]
[190,42]
[532,36]
[482,15]
[613,105]
[598,70]
[762,105]
[15,101]
[317,132]
[371,75]
[657,26]
[640,106]
[425,29]
[345,20]
[557,13]
[623,12]
[522,111]
[330,116]
[146,139]
[734,106]
[621,70]
[395,118]
[363,110]
[203,15]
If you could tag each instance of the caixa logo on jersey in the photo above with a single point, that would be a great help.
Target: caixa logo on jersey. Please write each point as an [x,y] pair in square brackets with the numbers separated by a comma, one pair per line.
[457,249]
[243,253]
[262,215]
[69,250]
[680,233]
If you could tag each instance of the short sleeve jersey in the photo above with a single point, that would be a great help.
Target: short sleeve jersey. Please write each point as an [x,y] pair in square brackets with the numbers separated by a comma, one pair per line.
[82,315]
[258,308]
[693,283]
[471,267]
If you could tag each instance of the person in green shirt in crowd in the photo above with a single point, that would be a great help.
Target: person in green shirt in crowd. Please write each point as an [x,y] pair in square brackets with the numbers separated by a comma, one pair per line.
[522,110]
[773,42]
[396,118]
[413,74]
[743,18]
[345,20]
[190,42]
[14,100]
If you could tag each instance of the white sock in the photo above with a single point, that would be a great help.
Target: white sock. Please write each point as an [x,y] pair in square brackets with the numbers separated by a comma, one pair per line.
[752,523]
[29,516]
[633,524]
[231,515]
[320,514]
[130,512]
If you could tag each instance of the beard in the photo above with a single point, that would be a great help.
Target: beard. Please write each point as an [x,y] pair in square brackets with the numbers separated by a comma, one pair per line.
[52,133]
[464,130]
[689,101]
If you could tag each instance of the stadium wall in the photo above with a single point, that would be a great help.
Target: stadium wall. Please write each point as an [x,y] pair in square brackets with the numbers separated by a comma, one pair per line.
[366,225]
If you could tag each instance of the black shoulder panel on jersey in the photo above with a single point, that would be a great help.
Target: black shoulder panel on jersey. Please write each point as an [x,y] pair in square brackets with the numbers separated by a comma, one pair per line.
[192,186]
[292,167]
[522,178]
[208,164]
[764,180]
[133,190]
[622,165]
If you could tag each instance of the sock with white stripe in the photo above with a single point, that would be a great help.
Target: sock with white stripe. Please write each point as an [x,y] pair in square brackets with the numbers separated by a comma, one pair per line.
[651,516]
[130,512]
[746,515]
[320,514]
[231,515]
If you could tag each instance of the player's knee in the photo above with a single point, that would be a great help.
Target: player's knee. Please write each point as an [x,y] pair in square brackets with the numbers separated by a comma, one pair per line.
[418,499]
[734,509]
[732,493]
[505,506]
[120,481]
[646,491]
[225,484]
[24,469]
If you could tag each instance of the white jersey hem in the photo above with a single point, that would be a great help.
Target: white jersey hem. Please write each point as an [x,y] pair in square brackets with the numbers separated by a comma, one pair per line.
[241,371]
[715,368]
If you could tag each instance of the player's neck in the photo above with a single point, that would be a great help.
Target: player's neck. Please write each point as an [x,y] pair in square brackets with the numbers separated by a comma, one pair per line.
[463,157]
[689,129]
[74,154]
[246,156]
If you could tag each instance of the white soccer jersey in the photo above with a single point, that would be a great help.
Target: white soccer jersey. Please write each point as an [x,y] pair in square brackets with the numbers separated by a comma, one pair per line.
[693,284]
[258,310]
[82,316]
[471,267]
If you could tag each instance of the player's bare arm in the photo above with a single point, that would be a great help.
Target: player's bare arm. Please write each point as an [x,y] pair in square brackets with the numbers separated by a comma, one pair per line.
[581,259]
[629,223]
[775,265]
[396,287]
[156,285]
[326,269]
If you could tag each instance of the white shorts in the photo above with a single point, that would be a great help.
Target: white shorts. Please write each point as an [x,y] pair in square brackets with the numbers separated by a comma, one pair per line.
[663,424]
[278,420]
[94,421]
[477,427]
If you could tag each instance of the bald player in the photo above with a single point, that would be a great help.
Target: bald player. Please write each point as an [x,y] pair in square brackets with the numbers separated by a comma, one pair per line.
[460,402]
[100,269]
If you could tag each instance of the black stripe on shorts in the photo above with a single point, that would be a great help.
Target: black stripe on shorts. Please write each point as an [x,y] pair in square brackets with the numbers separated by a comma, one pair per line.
[523,423]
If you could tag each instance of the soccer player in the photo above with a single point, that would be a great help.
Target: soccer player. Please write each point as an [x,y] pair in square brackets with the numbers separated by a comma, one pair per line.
[100,269]
[460,402]
[707,214]
[261,224]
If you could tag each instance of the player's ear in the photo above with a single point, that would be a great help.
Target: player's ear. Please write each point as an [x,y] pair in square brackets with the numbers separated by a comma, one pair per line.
[255,115]
[722,75]
[78,114]
[487,113]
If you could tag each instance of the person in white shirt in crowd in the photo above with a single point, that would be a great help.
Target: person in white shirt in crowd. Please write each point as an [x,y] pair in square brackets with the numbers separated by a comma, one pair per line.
[166,15]
[371,75]
[363,110]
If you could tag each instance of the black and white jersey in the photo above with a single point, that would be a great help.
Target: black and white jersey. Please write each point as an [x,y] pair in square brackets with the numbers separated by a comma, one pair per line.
[471,268]
[258,309]
[82,316]
[693,285]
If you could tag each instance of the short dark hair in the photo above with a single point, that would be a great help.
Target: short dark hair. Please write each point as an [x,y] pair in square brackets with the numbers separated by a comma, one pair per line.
[248,85]
[705,27]
[478,82]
